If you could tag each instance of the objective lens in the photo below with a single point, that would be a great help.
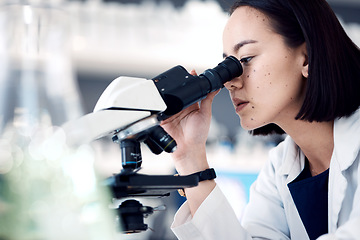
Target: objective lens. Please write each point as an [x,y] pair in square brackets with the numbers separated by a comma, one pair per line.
[130,154]
[162,139]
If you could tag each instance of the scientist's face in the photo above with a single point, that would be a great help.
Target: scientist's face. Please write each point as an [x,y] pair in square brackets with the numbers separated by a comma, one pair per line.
[271,88]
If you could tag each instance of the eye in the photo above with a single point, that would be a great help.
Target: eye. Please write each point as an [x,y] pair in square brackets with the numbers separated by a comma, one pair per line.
[246,60]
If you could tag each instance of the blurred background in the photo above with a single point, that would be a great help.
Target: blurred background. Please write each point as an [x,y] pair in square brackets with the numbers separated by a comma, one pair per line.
[143,38]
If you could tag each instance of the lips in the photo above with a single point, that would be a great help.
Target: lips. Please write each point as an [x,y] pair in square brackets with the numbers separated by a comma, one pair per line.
[239,104]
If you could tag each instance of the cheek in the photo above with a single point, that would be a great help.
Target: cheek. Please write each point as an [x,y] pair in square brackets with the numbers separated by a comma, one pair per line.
[273,88]
[259,91]
[269,93]
[261,84]
[274,81]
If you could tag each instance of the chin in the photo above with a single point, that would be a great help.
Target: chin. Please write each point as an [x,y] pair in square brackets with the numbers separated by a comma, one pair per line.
[249,126]
[249,123]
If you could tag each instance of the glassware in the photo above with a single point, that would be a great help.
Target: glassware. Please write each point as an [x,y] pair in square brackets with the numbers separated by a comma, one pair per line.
[48,190]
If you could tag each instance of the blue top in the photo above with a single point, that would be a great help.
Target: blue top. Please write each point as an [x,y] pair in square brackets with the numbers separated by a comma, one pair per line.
[310,195]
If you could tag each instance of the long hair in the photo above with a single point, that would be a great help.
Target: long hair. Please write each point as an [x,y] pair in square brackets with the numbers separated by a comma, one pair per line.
[333,84]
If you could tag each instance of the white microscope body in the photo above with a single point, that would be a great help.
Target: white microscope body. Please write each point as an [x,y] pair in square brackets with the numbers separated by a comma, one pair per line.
[126,101]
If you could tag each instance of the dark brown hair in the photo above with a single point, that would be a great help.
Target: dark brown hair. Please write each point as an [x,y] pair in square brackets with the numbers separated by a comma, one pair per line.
[333,84]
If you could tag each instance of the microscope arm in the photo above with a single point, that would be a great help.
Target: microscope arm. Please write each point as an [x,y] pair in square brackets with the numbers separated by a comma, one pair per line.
[125,101]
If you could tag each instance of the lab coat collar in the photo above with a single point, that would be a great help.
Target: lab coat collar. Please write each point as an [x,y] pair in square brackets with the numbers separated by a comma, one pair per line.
[293,161]
[346,149]
[346,142]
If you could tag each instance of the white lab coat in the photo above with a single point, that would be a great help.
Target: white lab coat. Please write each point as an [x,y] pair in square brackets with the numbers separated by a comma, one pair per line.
[271,212]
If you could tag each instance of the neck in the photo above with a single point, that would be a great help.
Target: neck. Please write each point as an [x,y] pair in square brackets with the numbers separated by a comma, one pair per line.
[316,140]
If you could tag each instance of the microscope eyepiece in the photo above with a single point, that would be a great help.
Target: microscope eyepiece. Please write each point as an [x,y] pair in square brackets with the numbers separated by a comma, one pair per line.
[179,89]
[225,71]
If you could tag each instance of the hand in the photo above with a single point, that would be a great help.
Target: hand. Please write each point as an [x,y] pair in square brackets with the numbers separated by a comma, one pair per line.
[190,129]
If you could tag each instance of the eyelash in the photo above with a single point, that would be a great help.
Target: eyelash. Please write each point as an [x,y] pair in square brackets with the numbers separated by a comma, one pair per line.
[246,60]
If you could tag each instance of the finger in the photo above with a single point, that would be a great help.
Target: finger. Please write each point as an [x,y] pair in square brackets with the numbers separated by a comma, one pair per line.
[206,104]
[193,72]
[180,115]
[210,97]
[216,92]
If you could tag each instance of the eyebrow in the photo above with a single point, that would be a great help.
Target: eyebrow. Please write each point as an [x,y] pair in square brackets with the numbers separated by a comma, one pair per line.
[239,45]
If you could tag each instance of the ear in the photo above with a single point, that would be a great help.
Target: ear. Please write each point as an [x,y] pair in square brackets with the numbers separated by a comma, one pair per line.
[305,61]
[305,70]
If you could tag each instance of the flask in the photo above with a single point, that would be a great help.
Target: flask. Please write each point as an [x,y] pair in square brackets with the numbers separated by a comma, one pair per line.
[48,190]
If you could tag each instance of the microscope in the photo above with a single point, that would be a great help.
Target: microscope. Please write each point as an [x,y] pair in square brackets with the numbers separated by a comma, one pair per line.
[130,110]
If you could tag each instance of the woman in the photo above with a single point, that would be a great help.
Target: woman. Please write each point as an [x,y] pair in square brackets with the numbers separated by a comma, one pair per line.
[301,77]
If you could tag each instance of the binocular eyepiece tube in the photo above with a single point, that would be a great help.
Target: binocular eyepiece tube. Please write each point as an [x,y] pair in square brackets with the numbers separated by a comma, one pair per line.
[179,89]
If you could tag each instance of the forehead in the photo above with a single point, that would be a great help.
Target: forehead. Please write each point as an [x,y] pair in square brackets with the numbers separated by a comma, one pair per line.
[247,16]
[246,23]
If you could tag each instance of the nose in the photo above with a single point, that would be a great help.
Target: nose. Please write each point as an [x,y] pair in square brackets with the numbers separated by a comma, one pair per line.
[234,83]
